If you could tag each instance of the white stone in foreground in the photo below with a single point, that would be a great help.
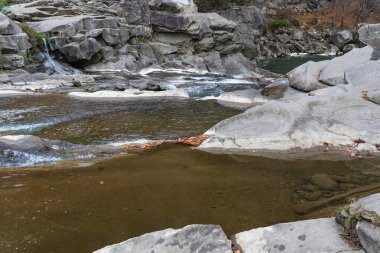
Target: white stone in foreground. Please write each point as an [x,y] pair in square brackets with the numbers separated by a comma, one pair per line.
[310,236]
[132,93]
[190,239]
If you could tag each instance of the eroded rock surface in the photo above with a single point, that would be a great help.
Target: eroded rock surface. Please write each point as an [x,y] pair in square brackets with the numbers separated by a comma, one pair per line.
[193,238]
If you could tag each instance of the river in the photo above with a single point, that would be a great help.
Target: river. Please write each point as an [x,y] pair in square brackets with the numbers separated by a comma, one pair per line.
[80,205]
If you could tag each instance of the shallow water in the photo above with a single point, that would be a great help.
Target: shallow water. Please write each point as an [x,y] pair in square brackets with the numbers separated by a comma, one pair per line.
[285,64]
[90,121]
[83,209]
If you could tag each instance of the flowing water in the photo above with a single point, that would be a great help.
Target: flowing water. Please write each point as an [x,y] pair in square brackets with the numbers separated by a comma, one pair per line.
[82,205]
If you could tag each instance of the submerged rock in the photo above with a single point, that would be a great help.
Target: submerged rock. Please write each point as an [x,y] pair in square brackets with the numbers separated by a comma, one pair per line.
[193,238]
[22,142]
[324,182]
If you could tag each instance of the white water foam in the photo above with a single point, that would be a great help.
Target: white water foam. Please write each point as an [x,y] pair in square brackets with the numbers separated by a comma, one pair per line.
[25,127]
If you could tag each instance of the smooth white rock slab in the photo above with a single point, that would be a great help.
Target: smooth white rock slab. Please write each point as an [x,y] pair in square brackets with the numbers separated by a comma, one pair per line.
[193,238]
[333,73]
[310,236]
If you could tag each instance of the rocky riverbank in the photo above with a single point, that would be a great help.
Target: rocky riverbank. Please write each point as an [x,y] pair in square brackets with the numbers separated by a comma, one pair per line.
[158,49]
[356,229]
[331,105]
[44,40]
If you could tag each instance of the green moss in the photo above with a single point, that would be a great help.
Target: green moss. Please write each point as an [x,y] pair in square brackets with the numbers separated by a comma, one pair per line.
[41,37]
[34,35]
[275,24]
[142,40]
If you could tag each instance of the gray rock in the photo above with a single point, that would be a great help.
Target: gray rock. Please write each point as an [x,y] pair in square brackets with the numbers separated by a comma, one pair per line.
[298,34]
[124,35]
[163,49]
[369,236]
[374,96]
[333,50]
[247,15]
[370,35]
[140,31]
[11,61]
[215,22]
[276,90]
[205,44]
[213,63]
[340,39]
[8,26]
[250,23]
[107,53]
[4,78]
[111,87]
[334,72]
[145,84]
[165,21]
[94,33]
[335,115]
[174,6]
[111,36]
[22,143]
[368,207]
[136,11]
[364,77]
[141,84]
[193,238]
[14,43]
[238,65]
[320,235]
[306,76]
[284,38]
[349,47]
[81,53]
[222,36]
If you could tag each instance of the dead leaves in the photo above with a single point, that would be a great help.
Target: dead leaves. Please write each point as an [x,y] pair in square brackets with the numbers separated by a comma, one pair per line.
[191,141]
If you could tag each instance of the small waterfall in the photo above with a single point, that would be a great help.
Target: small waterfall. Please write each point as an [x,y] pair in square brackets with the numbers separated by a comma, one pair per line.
[56,66]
